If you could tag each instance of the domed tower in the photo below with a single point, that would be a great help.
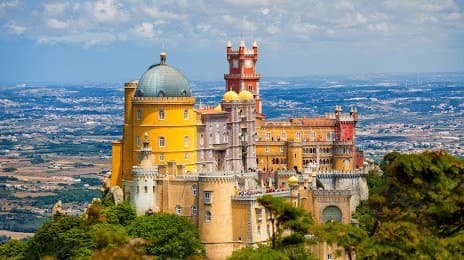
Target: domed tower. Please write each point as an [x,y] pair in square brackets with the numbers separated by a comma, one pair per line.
[161,105]
[143,184]
[242,143]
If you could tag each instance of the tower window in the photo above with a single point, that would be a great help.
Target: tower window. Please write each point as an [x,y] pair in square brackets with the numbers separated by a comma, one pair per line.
[186,141]
[161,114]
[162,141]
[194,210]
[178,210]
[194,190]
[202,139]
[186,114]
[207,216]
[161,156]
[138,114]
[250,88]
[207,197]
[137,141]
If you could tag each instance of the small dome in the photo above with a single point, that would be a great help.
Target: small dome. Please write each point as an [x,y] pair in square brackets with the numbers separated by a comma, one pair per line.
[230,96]
[293,180]
[245,95]
[162,80]
[218,108]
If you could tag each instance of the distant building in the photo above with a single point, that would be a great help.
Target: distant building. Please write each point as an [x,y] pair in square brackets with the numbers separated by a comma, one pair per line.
[211,164]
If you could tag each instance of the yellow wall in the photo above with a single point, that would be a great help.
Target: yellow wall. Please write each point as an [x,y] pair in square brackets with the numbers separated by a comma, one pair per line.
[144,118]
[116,167]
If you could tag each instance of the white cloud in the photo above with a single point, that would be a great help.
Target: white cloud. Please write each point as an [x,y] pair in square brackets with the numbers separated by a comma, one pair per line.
[55,9]
[56,24]
[380,27]
[8,4]
[108,11]
[87,39]
[146,30]
[14,28]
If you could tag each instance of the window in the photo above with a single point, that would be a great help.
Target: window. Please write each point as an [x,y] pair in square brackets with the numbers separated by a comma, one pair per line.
[186,156]
[194,210]
[186,114]
[137,141]
[298,136]
[250,88]
[259,229]
[330,136]
[202,139]
[217,139]
[161,114]
[284,135]
[329,257]
[138,189]
[178,210]
[194,190]
[266,149]
[162,141]
[259,214]
[268,135]
[332,213]
[161,156]
[281,149]
[186,141]
[207,197]
[207,216]
[139,114]
[145,189]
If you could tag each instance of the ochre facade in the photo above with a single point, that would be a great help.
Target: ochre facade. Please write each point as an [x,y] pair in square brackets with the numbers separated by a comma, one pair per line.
[211,164]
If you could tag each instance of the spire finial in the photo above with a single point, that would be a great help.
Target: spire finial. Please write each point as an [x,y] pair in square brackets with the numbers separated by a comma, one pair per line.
[163,57]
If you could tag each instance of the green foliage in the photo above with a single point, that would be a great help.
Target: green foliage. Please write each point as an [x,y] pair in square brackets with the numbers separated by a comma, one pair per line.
[12,249]
[122,214]
[64,237]
[345,236]
[9,169]
[248,253]
[418,207]
[170,236]
[286,216]
[106,235]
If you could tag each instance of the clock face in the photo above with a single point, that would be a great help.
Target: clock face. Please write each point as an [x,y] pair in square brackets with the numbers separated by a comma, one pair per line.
[248,64]
[235,63]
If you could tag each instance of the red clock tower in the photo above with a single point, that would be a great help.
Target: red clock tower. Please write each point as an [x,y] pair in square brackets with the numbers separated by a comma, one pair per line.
[242,71]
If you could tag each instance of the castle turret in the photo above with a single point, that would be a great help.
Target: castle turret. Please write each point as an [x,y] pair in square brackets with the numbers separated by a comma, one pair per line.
[143,184]
[242,71]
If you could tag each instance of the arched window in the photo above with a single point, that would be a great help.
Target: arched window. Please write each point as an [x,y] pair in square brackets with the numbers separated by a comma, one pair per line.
[207,216]
[161,114]
[186,114]
[332,213]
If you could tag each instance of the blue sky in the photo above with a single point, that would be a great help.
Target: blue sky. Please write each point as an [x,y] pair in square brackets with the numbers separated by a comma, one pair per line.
[117,40]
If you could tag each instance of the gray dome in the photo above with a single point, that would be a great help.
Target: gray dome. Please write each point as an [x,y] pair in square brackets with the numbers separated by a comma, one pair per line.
[162,80]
